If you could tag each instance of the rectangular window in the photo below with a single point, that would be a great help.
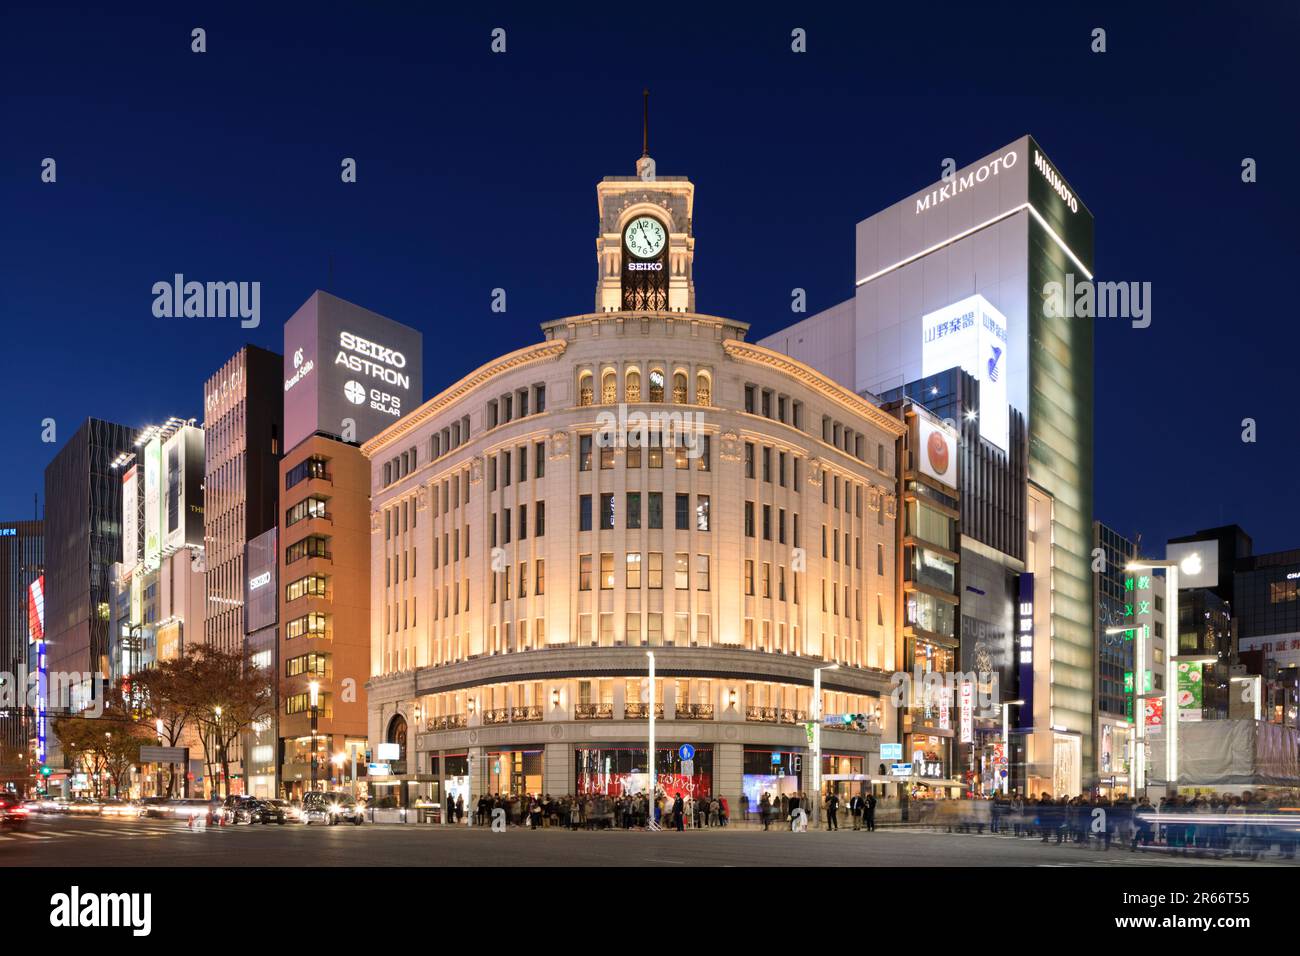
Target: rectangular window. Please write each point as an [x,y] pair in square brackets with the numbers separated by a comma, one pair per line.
[584,512]
[584,572]
[584,453]
[632,570]
[749,459]
[606,512]
[655,570]
[701,512]
[539,576]
[701,572]
[656,510]
[749,519]
[606,570]
[767,522]
[314,508]
[539,521]
[634,509]
[313,467]
[767,463]
[313,585]
[682,571]
[539,459]
[683,512]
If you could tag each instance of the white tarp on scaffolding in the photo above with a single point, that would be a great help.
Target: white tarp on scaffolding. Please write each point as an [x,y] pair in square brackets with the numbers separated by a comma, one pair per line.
[1230,752]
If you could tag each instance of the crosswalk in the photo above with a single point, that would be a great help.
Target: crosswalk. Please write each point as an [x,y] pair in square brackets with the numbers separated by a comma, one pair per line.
[127,832]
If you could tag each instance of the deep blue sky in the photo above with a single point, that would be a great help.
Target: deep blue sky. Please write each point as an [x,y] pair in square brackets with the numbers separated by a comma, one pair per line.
[478,170]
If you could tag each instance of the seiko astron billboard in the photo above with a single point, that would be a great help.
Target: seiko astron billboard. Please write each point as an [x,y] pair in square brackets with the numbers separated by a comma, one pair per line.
[348,372]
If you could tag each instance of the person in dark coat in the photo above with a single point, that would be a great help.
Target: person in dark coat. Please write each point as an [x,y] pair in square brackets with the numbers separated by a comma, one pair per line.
[869,812]
[855,808]
[679,810]
[832,811]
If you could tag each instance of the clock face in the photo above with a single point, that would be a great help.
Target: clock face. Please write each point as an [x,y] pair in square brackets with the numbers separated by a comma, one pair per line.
[645,237]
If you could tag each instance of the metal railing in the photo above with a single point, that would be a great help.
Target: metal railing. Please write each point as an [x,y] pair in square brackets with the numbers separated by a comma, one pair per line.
[642,711]
[525,714]
[593,711]
[695,711]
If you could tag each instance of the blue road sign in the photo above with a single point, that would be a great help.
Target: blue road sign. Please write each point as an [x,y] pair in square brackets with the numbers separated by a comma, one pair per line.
[686,752]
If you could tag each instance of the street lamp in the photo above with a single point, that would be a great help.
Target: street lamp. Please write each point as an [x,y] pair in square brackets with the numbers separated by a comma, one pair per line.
[1006,739]
[1191,565]
[817,739]
[314,690]
[221,751]
[158,726]
[650,655]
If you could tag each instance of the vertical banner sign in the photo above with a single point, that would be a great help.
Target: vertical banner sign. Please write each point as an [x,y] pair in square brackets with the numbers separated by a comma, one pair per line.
[967,712]
[130,518]
[36,636]
[152,503]
[945,716]
[1190,690]
[1025,649]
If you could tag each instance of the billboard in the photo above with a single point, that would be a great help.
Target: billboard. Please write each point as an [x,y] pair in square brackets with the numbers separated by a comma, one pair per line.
[972,334]
[1190,690]
[348,372]
[131,518]
[261,576]
[36,610]
[168,637]
[152,503]
[936,451]
[182,460]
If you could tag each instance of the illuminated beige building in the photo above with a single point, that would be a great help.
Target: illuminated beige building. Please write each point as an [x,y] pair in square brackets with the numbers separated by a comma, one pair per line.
[641,480]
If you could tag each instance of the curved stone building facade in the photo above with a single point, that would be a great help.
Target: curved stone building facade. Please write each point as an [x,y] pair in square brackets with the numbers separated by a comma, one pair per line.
[632,483]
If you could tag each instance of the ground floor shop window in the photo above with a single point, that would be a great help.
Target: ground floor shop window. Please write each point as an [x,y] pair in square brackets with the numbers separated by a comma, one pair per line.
[514,772]
[772,772]
[615,771]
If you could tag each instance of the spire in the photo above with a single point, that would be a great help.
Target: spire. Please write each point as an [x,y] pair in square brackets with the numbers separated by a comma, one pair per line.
[645,166]
[645,122]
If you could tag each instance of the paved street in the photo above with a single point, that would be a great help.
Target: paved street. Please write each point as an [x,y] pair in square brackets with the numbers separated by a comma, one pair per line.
[55,841]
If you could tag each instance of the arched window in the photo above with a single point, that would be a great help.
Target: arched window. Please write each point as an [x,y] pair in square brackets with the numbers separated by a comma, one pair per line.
[632,386]
[703,389]
[397,734]
[656,385]
[679,388]
[584,388]
[609,387]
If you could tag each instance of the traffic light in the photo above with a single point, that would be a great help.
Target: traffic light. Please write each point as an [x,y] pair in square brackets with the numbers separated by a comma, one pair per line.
[45,771]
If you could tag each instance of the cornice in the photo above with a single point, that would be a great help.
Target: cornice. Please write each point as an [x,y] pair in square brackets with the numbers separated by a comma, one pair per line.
[758,355]
[547,351]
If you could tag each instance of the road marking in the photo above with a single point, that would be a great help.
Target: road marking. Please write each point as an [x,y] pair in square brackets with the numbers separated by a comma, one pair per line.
[30,836]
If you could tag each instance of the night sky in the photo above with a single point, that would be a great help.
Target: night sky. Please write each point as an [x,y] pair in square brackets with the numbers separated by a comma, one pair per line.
[478,171]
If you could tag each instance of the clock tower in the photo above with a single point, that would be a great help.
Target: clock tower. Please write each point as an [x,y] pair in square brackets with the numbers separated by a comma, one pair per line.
[645,251]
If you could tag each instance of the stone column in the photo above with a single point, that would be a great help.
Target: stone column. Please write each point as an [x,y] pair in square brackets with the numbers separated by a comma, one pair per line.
[558,769]
[728,768]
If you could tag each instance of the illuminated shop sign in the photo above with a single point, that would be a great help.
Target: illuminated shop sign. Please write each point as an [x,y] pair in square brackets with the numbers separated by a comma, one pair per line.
[971,334]
[960,182]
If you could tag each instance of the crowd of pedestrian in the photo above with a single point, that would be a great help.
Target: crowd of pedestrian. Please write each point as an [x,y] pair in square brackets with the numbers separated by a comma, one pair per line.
[1247,825]
[599,811]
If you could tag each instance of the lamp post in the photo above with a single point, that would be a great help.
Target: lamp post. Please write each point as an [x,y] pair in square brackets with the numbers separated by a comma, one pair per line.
[817,739]
[650,757]
[221,752]
[314,691]
[1138,763]
[158,726]
[1006,740]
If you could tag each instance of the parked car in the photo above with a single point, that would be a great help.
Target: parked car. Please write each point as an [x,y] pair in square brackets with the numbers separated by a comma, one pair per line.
[269,811]
[331,808]
[13,812]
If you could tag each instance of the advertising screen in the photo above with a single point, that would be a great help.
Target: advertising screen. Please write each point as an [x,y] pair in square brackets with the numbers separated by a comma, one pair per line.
[972,334]
[1190,690]
[182,457]
[131,517]
[152,503]
[348,372]
[936,452]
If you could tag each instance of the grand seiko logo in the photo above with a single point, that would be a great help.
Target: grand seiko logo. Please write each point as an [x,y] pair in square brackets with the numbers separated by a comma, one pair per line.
[960,183]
